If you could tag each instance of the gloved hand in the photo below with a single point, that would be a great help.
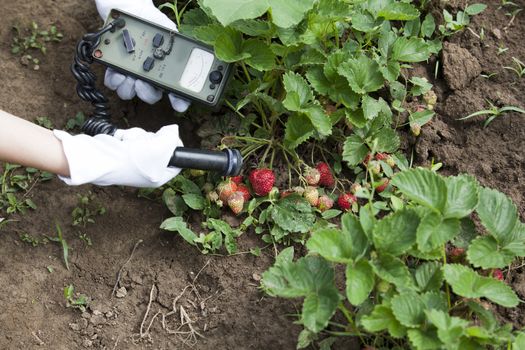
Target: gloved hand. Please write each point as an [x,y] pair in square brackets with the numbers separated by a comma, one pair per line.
[132,157]
[128,87]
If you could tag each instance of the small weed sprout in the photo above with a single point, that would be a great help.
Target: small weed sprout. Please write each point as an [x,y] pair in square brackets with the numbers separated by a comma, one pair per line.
[80,302]
[32,38]
[493,112]
[84,213]
[519,67]
[60,239]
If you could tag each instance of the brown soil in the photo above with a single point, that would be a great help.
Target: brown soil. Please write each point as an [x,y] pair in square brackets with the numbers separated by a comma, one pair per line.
[226,305]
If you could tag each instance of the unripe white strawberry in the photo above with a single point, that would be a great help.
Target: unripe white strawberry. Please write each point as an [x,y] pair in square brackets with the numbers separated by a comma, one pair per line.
[236,202]
[312,195]
[312,176]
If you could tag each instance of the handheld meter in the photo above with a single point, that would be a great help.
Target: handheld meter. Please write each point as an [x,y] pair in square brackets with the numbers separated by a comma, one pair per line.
[163,57]
[166,59]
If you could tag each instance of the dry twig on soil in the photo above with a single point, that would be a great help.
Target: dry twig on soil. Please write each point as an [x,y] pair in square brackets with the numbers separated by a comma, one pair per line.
[119,274]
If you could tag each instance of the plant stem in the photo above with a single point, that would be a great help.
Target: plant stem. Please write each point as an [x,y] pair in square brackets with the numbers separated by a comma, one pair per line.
[245,70]
[350,320]
[232,107]
[447,289]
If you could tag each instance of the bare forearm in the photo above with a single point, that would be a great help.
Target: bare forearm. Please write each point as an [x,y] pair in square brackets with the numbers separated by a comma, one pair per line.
[25,143]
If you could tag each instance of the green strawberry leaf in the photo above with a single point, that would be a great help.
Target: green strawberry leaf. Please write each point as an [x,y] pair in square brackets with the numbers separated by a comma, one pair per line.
[293,214]
[351,227]
[298,129]
[434,231]
[337,88]
[284,13]
[467,283]
[435,300]
[450,328]
[252,27]
[174,202]
[421,118]
[354,150]
[428,26]
[362,73]
[422,186]
[393,270]
[229,46]
[429,276]
[485,252]
[462,196]
[497,213]
[318,308]
[410,50]
[382,318]
[395,233]
[208,34]
[387,140]
[298,92]
[177,224]
[332,244]
[319,119]
[424,340]
[408,309]
[359,281]
[519,342]
[261,57]
[194,201]
[398,11]
[475,9]
[311,277]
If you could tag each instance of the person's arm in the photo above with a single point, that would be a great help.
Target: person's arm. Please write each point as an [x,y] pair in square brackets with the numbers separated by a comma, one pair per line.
[133,157]
[27,144]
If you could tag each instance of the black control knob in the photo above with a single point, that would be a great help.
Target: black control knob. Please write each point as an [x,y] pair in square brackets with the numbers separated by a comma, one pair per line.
[216,77]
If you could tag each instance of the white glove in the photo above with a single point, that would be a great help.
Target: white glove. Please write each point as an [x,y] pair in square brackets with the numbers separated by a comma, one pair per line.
[132,157]
[128,87]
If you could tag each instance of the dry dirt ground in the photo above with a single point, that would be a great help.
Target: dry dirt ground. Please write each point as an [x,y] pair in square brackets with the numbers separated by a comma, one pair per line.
[219,295]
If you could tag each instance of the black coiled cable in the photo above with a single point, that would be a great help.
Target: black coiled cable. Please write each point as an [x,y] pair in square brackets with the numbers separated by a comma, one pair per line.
[99,122]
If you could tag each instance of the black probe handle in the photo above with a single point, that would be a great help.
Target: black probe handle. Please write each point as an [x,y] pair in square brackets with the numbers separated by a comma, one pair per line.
[227,162]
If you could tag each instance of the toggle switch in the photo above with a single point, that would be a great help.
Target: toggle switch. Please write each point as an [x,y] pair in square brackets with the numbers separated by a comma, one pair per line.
[158,40]
[128,41]
[148,64]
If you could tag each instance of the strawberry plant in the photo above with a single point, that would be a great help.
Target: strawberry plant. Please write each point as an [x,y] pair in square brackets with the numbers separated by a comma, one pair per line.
[319,71]
[400,287]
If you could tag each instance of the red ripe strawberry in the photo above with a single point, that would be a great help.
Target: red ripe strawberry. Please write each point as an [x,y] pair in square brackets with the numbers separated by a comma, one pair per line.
[245,191]
[382,156]
[236,179]
[312,195]
[383,184]
[326,179]
[236,202]
[345,201]
[498,274]
[262,181]
[226,189]
[325,203]
[456,252]
[312,176]
[367,159]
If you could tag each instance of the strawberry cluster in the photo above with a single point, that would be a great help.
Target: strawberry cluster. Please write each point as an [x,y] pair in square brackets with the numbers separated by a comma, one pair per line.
[235,193]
